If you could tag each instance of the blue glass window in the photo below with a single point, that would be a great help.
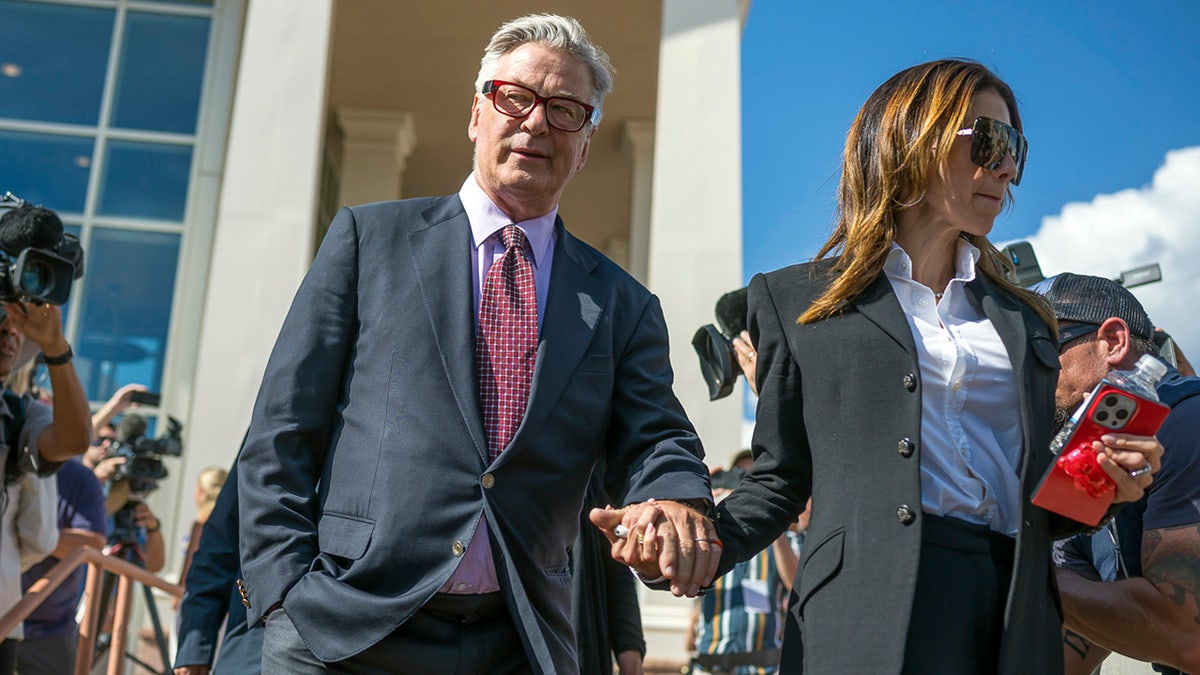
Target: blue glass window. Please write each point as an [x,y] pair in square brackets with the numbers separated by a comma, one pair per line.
[145,180]
[44,169]
[52,61]
[162,67]
[126,309]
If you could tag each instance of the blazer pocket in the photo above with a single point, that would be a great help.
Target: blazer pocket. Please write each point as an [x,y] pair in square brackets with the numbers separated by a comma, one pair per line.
[596,363]
[1046,351]
[344,536]
[822,564]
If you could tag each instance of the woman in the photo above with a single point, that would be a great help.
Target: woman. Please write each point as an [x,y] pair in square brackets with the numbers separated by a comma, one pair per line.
[908,386]
[208,488]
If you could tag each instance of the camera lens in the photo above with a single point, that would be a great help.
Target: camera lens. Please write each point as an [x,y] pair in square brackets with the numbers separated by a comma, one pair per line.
[1110,401]
[1101,415]
[37,279]
[1122,414]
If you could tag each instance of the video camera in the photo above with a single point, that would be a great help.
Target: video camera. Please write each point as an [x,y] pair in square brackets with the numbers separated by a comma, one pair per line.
[714,346]
[38,261]
[142,470]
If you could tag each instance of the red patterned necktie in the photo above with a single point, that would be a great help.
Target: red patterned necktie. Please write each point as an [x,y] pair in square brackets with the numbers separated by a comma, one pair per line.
[506,341]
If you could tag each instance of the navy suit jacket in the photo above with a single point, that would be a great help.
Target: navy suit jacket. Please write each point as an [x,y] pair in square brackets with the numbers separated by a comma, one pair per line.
[366,469]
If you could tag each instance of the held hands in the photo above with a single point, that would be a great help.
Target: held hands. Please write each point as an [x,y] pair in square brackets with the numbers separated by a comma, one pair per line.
[1130,461]
[663,539]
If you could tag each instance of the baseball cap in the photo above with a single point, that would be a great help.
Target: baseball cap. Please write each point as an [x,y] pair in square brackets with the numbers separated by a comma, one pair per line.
[1089,299]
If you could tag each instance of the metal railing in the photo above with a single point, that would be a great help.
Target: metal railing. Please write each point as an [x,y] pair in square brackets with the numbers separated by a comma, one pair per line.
[127,573]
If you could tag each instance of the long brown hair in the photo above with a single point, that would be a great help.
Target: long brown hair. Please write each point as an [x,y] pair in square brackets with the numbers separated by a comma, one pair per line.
[885,169]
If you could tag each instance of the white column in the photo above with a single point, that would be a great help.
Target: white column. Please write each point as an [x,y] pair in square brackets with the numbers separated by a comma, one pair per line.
[637,140]
[267,204]
[375,148]
[695,251]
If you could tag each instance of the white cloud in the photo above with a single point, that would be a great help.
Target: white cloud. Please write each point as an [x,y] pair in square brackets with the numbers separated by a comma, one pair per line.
[1159,223]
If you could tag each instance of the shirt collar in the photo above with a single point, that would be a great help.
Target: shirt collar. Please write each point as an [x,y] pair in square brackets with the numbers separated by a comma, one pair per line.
[966,255]
[487,219]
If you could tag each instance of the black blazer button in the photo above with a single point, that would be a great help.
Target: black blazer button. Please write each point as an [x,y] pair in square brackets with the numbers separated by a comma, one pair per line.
[905,447]
[910,382]
[905,515]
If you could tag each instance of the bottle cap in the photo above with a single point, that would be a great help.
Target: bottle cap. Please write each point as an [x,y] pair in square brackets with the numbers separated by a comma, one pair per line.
[1151,366]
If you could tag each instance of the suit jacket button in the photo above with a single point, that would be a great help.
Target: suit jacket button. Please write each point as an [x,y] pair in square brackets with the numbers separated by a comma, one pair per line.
[458,549]
[241,586]
[905,515]
[905,447]
[910,382]
[487,481]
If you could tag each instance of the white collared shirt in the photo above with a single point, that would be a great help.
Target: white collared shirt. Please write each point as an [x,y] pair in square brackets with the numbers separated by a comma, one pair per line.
[970,409]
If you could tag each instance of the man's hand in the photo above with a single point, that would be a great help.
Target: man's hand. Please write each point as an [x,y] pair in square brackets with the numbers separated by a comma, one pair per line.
[107,468]
[747,358]
[40,323]
[192,670]
[629,663]
[664,538]
[1122,454]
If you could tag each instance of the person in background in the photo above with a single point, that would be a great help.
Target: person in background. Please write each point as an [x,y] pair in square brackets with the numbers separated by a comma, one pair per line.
[208,486]
[51,633]
[37,438]
[1134,586]
[210,601]
[737,628]
[604,599]
[907,386]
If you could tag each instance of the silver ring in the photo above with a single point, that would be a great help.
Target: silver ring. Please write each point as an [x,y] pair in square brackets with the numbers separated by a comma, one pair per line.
[752,355]
[1139,472]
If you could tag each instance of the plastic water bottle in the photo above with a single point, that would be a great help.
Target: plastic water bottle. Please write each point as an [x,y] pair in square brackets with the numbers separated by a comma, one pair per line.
[1142,380]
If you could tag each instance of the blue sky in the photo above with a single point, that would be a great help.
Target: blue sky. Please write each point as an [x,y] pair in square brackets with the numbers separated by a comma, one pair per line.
[1106,89]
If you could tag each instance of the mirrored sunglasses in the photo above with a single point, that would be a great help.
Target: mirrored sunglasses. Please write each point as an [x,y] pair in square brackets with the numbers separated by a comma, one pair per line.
[991,140]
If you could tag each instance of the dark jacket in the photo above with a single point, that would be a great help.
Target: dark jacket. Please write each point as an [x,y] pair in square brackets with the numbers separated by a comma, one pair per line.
[839,417]
[366,468]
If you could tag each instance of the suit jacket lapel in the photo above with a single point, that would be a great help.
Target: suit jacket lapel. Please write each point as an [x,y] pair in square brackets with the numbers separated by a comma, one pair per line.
[439,252]
[574,305]
[879,304]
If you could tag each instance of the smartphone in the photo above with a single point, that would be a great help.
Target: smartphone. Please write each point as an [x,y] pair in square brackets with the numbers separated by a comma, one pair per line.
[145,398]
[1076,486]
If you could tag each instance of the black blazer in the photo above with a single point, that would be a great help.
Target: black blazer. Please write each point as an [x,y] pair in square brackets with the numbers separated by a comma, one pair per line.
[366,468]
[839,401]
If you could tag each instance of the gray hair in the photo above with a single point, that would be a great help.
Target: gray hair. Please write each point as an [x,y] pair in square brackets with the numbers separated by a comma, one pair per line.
[560,32]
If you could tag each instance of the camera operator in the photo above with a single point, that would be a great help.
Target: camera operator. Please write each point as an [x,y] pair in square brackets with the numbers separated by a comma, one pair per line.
[37,439]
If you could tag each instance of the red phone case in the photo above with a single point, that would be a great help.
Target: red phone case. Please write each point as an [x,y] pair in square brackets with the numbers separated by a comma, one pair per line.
[1076,486]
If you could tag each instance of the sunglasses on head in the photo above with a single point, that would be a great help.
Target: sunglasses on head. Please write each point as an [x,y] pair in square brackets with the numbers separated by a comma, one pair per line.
[991,140]
[1074,331]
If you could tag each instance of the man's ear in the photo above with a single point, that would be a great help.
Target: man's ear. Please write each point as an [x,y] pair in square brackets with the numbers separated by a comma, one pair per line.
[473,122]
[1115,335]
[583,153]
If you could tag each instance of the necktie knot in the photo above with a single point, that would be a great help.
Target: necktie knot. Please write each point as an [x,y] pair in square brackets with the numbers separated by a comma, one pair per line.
[512,237]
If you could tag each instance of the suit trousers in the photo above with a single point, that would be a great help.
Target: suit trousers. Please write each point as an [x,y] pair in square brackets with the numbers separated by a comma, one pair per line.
[431,642]
[958,609]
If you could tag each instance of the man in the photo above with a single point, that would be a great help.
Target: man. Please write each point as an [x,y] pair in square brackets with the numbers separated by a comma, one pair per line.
[1133,587]
[51,633]
[439,394]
